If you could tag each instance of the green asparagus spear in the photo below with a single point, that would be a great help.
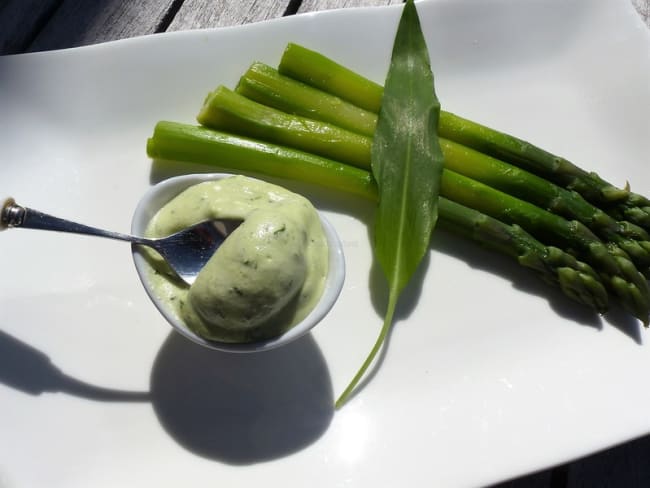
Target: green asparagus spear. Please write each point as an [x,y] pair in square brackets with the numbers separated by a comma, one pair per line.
[226,110]
[181,142]
[556,267]
[621,203]
[321,72]
[266,86]
[617,271]
[569,204]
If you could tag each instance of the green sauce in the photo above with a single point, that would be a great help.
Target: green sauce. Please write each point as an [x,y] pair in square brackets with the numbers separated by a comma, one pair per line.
[267,275]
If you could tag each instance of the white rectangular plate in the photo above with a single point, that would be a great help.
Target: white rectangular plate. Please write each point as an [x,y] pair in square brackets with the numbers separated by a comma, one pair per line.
[489,374]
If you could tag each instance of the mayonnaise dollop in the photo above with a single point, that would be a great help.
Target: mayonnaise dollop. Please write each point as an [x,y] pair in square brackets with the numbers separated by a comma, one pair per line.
[267,275]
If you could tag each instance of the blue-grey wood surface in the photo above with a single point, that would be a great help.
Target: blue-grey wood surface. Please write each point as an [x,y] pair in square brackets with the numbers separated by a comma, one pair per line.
[38,25]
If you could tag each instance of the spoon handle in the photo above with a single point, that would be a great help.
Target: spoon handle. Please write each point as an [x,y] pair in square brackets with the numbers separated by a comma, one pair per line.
[14,215]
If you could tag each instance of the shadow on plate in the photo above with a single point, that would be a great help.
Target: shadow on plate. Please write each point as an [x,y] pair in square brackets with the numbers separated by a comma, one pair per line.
[242,408]
[26,369]
[525,280]
[234,408]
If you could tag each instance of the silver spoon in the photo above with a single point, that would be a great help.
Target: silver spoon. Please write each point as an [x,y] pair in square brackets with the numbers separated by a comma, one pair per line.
[186,252]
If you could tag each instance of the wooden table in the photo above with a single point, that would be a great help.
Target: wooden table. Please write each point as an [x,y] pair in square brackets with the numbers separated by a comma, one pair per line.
[38,25]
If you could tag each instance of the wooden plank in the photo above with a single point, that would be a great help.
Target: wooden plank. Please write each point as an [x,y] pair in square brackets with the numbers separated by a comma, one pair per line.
[199,14]
[21,20]
[81,22]
[315,5]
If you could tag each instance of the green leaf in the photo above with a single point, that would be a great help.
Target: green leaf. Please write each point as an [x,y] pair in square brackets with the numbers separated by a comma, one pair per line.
[407,165]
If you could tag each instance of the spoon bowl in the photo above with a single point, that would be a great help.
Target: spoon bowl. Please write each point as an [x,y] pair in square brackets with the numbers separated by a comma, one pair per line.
[160,194]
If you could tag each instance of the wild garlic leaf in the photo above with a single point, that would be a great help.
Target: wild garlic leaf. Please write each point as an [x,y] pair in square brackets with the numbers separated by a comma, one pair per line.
[407,165]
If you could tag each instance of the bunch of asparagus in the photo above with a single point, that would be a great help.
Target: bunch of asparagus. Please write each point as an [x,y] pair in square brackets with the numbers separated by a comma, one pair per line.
[313,120]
